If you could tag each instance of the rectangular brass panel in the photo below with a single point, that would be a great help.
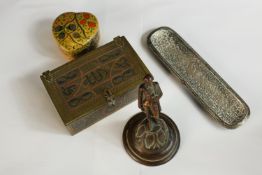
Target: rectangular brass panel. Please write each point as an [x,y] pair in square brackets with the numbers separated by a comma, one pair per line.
[96,84]
[209,89]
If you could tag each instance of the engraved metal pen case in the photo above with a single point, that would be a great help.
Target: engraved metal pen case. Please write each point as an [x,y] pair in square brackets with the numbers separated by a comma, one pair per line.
[208,88]
[96,84]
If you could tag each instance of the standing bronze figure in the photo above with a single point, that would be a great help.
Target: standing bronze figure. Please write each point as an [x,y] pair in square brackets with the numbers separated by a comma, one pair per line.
[150,137]
[148,100]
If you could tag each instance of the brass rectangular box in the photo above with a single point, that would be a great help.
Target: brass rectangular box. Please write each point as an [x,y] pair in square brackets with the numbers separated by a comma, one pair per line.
[96,84]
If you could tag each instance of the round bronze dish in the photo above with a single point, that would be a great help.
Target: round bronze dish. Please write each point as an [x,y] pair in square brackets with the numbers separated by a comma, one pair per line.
[151,147]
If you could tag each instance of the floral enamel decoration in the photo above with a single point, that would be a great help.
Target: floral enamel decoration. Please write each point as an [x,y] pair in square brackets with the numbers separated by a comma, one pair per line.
[76,32]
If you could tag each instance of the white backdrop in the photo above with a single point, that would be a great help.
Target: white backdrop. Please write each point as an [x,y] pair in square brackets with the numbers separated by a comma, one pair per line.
[33,140]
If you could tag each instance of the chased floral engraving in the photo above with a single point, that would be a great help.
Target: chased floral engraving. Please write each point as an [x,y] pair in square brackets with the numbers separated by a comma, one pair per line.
[151,140]
[209,88]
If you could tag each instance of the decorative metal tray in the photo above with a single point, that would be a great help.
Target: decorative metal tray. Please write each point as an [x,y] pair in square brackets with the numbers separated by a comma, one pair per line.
[209,89]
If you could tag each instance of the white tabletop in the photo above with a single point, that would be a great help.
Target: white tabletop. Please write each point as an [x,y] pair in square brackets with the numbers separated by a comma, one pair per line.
[33,139]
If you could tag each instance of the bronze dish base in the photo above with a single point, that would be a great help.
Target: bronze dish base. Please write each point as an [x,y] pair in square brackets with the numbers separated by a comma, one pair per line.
[151,147]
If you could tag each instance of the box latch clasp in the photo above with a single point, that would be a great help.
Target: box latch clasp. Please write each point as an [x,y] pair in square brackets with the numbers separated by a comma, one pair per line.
[110,98]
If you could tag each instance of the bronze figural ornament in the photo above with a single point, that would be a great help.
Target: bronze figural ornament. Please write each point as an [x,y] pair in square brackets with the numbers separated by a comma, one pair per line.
[150,137]
[148,100]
